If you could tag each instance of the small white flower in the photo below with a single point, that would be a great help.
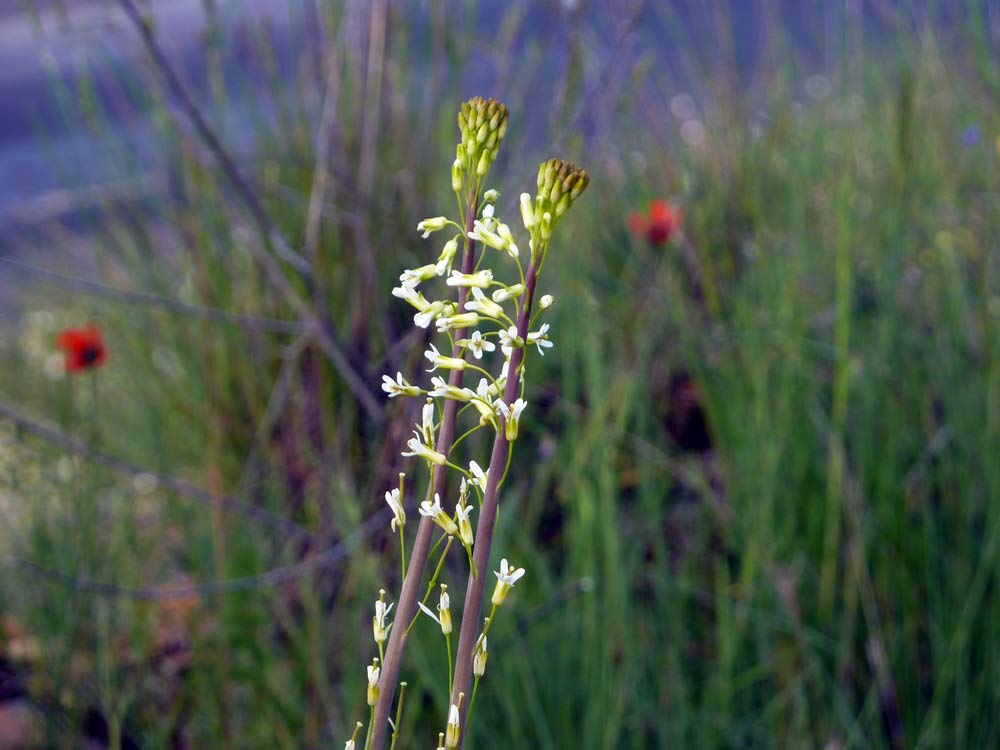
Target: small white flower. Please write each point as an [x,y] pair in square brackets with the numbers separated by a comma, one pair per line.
[463,320]
[399,386]
[446,257]
[481,303]
[443,617]
[431,311]
[527,211]
[462,512]
[419,450]
[487,414]
[412,277]
[508,292]
[509,340]
[491,196]
[480,278]
[453,730]
[506,578]
[479,656]
[412,296]
[444,390]
[373,674]
[540,339]
[477,344]
[512,416]
[434,224]
[479,476]
[379,628]
[435,512]
[427,423]
[504,231]
[395,502]
[488,211]
[445,363]
[481,231]
[546,301]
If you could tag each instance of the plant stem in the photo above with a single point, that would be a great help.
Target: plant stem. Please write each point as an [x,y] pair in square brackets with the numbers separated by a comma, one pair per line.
[488,515]
[407,606]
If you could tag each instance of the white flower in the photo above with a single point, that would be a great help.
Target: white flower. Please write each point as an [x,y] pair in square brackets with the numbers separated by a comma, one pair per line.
[399,386]
[506,578]
[379,628]
[412,296]
[446,257]
[540,339]
[373,674]
[509,340]
[443,617]
[431,311]
[444,390]
[481,231]
[463,320]
[481,278]
[508,292]
[527,211]
[481,303]
[394,501]
[462,512]
[411,277]
[434,224]
[445,363]
[487,414]
[488,211]
[420,450]
[512,416]
[479,476]
[453,730]
[504,231]
[427,423]
[546,301]
[435,512]
[479,656]
[491,196]
[477,345]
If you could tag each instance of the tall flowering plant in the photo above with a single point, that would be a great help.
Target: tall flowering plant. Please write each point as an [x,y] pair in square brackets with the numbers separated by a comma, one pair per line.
[480,297]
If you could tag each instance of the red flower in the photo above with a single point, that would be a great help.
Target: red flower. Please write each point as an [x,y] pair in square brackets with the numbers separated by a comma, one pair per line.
[659,224]
[84,348]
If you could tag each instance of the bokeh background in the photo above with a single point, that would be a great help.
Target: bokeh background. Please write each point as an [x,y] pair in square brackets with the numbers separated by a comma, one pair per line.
[758,495]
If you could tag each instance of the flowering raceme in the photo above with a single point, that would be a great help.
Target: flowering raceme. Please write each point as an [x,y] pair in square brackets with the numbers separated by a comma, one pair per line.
[658,224]
[478,295]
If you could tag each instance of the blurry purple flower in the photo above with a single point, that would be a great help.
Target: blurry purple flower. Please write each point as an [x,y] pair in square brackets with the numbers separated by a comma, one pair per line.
[971,136]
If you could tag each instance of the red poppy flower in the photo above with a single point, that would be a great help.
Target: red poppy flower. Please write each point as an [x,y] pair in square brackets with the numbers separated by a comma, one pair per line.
[84,348]
[659,224]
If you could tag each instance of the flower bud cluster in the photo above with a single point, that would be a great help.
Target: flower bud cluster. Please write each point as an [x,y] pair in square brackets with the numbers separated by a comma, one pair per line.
[483,124]
[559,183]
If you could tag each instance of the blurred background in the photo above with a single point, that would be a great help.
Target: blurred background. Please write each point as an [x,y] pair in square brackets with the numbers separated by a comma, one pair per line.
[758,495]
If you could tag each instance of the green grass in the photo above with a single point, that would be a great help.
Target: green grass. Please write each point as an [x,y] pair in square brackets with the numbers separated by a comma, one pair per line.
[824,577]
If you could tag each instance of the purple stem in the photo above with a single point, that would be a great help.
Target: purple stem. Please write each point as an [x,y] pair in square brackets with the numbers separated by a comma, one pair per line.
[406,607]
[472,611]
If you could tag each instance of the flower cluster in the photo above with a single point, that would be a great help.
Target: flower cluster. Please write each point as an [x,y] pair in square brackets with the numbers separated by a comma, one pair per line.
[477,299]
